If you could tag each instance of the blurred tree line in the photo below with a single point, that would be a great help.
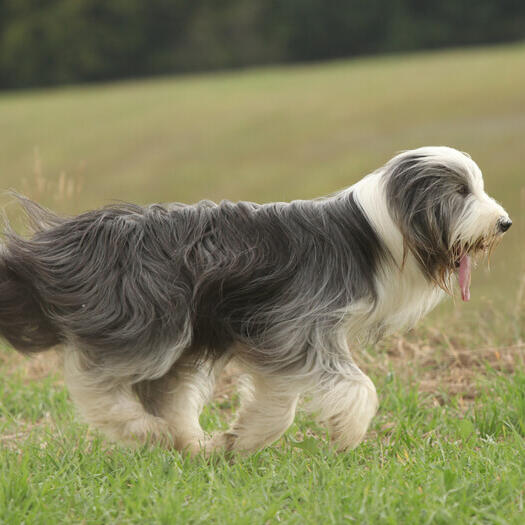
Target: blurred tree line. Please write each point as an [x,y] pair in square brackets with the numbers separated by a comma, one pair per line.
[44,42]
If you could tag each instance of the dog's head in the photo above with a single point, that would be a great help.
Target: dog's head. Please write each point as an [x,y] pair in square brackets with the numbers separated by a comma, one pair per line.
[436,198]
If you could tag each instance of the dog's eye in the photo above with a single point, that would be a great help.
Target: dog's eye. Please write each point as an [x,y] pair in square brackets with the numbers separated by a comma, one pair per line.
[463,190]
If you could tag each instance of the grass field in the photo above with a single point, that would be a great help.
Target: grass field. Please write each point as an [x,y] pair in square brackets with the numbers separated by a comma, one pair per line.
[447,445]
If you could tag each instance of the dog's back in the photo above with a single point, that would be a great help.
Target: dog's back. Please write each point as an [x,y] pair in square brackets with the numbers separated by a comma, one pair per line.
[128,281]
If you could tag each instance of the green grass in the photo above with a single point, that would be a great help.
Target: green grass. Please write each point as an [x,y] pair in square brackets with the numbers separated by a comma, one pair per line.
[447,445]
[423,463]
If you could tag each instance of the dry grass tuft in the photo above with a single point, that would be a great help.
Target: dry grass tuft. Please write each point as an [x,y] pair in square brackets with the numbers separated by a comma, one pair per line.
[33,368]
[442,364]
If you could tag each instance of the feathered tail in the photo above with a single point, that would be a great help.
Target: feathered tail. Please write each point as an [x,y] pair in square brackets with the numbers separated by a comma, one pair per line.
[23,321]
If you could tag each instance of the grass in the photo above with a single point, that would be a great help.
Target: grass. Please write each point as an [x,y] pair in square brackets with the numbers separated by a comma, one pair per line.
[424,462]
[447,445]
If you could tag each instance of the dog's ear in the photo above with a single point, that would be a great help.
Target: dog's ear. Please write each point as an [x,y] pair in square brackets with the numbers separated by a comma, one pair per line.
[426,199]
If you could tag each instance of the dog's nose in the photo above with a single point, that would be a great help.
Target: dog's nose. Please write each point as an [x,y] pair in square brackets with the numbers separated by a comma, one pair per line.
[504,224]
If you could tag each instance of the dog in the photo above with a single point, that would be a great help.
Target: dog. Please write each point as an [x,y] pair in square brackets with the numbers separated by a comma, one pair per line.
[148,304]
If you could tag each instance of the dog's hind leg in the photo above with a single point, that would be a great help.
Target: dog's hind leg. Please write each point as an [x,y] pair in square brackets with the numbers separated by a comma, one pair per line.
[112,405]
[344,400]
[267,410]
[180,396]
[189,387]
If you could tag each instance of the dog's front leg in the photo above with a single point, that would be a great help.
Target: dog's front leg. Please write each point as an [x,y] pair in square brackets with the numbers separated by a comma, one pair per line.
[267,410]
[345,401]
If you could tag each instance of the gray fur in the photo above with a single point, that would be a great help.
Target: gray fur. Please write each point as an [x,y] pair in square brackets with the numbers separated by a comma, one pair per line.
[123,283]
[426,201]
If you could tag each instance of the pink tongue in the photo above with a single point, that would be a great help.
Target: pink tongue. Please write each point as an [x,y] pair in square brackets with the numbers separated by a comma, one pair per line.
[464,277]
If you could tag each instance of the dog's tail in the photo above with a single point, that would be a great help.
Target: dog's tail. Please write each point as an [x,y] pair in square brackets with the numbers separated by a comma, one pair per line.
[23,321]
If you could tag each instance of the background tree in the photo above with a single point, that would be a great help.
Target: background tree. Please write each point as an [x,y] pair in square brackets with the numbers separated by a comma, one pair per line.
[44,42]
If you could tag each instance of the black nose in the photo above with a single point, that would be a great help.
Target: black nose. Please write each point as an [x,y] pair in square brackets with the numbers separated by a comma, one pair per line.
[504,224]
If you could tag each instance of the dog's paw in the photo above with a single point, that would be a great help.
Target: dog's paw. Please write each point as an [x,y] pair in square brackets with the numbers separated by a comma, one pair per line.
[220,442]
